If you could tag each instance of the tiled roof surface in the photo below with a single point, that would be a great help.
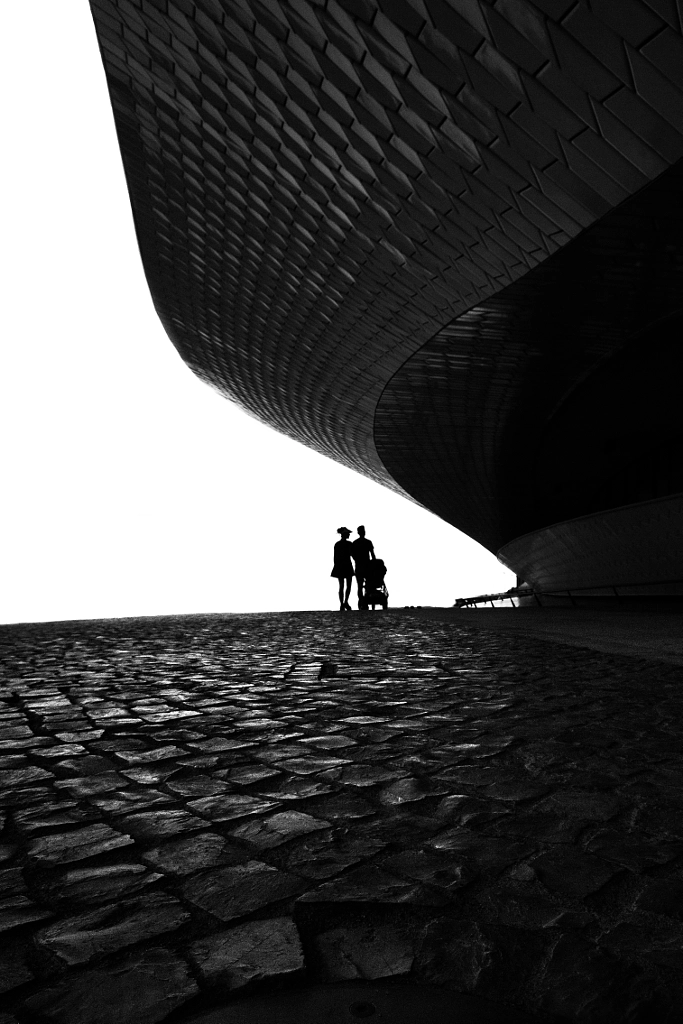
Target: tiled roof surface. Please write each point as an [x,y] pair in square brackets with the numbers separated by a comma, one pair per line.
[320,186]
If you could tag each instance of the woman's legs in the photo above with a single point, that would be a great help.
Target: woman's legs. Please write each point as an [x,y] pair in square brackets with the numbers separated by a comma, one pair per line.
[344,605]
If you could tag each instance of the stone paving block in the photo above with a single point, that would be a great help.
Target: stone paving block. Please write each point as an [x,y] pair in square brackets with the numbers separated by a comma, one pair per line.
[119,743]
[523,906]
[218,744]
[14,969]
[445,871]
[150,775]
[582,982]
[90,764]
[18,910]
[588,806]
[161,822]
[167,716]
[197,786]
[410,790]
[277,828]
[12,882]
[372,885]
[232,892]
[23,776]
[99,884]
[455,953]
[198,852]
[373,951]
[660,822]
[77,844]
[323,856]
[663,896]
[632,851]
[483,852]
[60,750]
[367,775]
[279,752]
[229,806]
[250,952]
[24,743]
[33,819]
[343,806]
[250,774]
[15,732]
[133,757]
[91,785]
[663,947]
[417,763]
[365,719]
[75,940]
[300,787]
[571,872]
[130,799]
[174,735]
[404,827]
[145,987]
[519,792]
[24,797]
[329,742]
[115,720]
[80,736]
[542,826]
[310,765]
[455,808]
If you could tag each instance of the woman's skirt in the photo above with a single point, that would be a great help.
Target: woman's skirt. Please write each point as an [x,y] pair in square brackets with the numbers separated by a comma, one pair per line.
[343,571]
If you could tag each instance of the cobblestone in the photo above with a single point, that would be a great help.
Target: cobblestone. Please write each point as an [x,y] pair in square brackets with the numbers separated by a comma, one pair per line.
[196,808]
[249,952]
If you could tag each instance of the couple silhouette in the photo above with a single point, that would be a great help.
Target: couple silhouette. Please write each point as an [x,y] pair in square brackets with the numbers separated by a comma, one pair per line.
[362,552]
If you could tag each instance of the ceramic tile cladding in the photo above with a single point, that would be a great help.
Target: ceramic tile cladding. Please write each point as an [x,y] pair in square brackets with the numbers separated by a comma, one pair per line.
[347,211]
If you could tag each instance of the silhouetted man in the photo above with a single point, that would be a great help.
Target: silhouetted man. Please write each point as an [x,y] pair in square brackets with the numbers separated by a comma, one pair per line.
[362,552]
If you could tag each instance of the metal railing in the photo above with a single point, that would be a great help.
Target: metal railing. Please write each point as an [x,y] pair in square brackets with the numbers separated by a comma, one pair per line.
[513,596]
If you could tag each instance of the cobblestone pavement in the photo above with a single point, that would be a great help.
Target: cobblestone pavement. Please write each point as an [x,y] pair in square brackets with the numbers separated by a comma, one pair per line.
[198,808]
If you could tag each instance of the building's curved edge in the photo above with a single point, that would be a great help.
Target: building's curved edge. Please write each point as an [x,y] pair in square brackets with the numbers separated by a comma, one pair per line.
[637,549]
[532,137]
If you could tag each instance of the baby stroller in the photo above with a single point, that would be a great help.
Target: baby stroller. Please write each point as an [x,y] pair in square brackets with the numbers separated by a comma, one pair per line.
[375,587]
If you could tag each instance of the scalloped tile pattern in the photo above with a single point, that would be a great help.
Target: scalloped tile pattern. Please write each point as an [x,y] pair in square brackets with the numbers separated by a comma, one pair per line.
[320,186]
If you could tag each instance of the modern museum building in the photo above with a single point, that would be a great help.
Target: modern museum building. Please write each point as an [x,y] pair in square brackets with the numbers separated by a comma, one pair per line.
[439,241]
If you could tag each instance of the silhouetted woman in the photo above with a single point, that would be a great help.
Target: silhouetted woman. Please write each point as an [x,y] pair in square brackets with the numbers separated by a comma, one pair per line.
[343,567]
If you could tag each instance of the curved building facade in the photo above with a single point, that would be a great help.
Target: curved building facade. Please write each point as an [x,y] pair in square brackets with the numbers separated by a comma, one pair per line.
[438,241]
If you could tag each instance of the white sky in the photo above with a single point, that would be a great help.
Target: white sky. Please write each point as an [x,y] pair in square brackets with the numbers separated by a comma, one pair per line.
[131,488]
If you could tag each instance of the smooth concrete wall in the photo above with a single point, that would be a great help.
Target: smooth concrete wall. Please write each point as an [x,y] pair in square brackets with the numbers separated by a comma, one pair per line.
[637,549]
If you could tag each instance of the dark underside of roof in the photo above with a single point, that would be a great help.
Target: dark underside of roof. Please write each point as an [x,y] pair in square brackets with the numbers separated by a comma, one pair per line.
[560,396]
